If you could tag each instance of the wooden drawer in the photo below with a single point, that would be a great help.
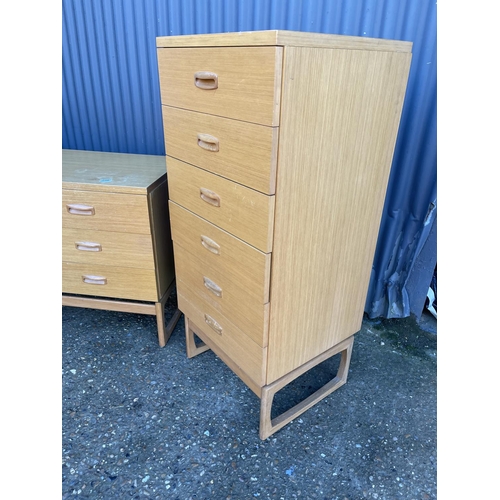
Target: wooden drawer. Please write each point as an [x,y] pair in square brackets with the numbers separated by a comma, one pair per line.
[124,213]
[241,211]
[244,352]
[231,301]
[119,282]
[107,248]
[237,82]
[220,250]
[243,152]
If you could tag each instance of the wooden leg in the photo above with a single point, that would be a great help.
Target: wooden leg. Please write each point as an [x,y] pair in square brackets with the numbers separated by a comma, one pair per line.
[165,332]
[268,426]
[192,349]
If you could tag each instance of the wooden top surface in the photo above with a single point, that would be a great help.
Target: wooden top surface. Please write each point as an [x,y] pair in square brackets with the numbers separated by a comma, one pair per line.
[284,38]
[110,172]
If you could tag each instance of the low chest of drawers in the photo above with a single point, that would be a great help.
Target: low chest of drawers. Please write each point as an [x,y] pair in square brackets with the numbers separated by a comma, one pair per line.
[279,147]
[116,245]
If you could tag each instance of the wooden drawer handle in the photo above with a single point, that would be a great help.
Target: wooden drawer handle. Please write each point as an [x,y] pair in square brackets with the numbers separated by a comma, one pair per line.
[94,280]
[206,80]
[213,287]
[208,142]
[77,209]
[88,246]
[210,197]
[210,245]
[213,324]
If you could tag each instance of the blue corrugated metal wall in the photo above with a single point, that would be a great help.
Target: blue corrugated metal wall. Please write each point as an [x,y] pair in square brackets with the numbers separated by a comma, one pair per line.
[111,98]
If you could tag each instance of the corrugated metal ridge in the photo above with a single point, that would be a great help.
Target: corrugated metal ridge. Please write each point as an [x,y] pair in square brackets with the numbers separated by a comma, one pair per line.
[111,97]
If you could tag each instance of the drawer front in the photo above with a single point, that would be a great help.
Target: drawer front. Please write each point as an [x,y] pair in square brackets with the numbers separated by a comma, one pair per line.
[243,83]
[243,212]
[107,248]
[227,297]
[108,281]
[243,152]
[243,351]
[220,250]
[125,213]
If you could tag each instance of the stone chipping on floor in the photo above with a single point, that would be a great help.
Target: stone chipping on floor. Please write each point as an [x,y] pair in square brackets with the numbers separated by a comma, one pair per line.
[140,421]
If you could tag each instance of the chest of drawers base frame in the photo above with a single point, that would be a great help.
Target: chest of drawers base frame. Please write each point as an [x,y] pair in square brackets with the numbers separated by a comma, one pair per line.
[154,309]
[266,394]
[117,250]
[279,146]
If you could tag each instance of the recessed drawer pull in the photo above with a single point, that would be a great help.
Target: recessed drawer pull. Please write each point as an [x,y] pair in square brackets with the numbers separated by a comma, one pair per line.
[210,245]
[78,209]
[210,197]
[88,246]
[208,142]
[206,80]
[213,324]
[213,287]
[94,280]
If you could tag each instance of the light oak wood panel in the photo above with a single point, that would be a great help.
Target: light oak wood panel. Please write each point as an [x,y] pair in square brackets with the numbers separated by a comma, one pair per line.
[241,263]
[111,172]
[105,211]
[226,296]
[248,81]
[119,282]
[244,352]
[243,152]
[109,304]
[270,425]
[284,37]
[243,212]
[339,124]
[107,248]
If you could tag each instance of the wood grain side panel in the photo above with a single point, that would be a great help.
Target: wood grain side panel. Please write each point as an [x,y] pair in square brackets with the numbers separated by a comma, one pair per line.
[241,263]
[248,87]
[162,241]
[328,41]
[246,152]
[243,212]
[339,122]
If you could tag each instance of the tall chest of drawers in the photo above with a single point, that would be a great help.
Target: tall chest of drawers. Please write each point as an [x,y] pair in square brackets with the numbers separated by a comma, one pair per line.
[279,147]
[116,246]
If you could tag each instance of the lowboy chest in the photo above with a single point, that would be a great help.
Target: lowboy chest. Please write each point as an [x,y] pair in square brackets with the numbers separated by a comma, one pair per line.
[116,244]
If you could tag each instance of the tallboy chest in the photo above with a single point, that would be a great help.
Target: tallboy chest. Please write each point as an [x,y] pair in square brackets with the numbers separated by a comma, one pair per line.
[279,146]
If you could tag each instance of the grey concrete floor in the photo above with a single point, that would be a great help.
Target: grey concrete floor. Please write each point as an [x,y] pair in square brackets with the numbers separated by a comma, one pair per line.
[140,421]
